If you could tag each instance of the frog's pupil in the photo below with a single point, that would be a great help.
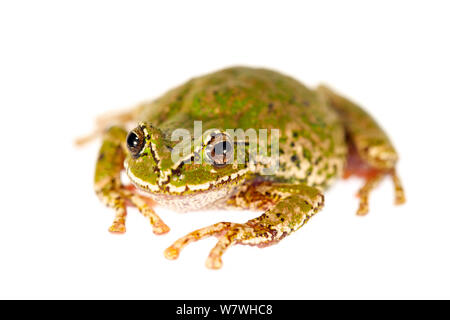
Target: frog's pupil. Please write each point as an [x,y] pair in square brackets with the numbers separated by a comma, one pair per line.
[221,153]
[222,148]
[133,140]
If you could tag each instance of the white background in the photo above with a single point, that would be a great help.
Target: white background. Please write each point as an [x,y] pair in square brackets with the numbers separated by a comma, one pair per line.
[63,63]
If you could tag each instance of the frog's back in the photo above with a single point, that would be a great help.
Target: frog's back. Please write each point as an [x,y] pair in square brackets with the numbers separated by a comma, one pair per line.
[312,144]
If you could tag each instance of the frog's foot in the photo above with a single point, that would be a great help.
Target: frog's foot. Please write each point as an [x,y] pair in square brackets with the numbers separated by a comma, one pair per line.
[83,140]
[296,205]
[119,199]
[228,234]
[144,206]
[103,122]
[110,189]
[370,184]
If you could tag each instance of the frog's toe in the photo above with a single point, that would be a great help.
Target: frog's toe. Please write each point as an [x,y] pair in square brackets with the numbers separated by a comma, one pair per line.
[159,227]
[118,228]
[365,191]
[118,225]
[171,253]
[363,208]
[214,260]
[214,263]
[399,191]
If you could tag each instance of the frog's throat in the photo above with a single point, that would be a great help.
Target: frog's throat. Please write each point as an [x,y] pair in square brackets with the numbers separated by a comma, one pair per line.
[190,201]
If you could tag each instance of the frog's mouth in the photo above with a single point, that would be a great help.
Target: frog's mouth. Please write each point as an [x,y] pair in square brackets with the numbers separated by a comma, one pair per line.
[188,197]
[214,197]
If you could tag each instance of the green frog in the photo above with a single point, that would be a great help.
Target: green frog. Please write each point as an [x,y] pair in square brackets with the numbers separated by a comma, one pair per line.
[319,136]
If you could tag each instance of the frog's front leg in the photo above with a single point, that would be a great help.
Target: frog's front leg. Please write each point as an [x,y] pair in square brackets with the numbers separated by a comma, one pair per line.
[288,207]
[110,189]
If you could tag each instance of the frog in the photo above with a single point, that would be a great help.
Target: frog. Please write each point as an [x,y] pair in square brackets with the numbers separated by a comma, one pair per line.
[322,136]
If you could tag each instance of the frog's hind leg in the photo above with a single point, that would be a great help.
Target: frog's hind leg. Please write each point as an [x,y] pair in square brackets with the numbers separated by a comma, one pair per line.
[104,121]
[372,176]
[112,192]
[371,153]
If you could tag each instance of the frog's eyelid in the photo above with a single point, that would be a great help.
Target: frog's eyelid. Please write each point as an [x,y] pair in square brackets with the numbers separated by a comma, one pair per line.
[144,130]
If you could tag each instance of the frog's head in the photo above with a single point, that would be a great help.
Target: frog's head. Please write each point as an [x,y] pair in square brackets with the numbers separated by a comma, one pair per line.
[205,173]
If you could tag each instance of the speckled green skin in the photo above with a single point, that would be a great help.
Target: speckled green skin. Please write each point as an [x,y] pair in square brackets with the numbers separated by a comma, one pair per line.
[319,130]
[312,142]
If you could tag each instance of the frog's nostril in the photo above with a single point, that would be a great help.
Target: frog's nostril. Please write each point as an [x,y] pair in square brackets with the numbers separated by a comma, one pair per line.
[135,142]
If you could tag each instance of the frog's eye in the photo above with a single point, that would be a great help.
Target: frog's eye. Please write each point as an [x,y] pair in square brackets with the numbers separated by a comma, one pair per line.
[220,151]
[135,142]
